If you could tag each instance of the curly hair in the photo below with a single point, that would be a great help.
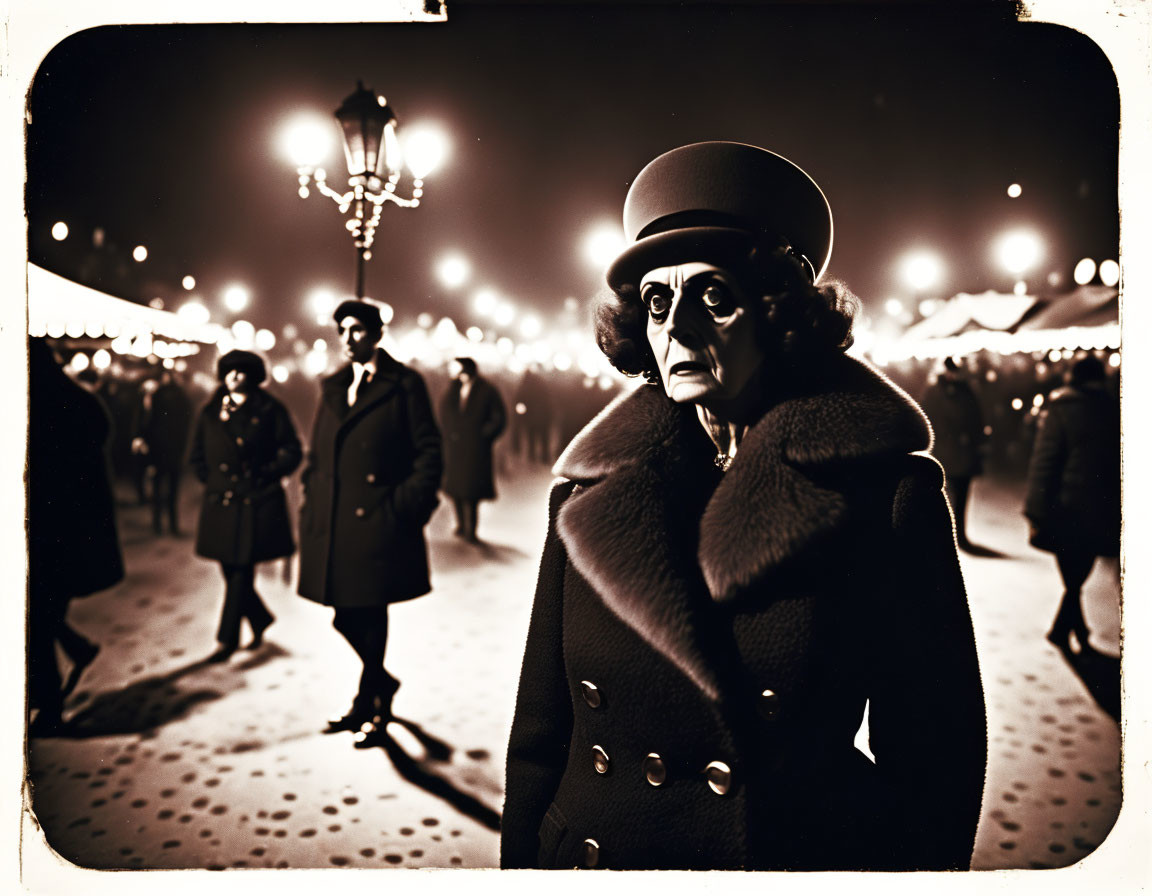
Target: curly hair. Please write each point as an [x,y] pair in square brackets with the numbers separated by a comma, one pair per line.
[798,319]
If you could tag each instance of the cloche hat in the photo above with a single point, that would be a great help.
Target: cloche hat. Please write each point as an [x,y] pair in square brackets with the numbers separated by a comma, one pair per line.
[720,197]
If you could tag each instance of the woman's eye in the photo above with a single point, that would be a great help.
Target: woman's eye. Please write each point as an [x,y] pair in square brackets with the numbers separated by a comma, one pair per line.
[658,303]
[718,300]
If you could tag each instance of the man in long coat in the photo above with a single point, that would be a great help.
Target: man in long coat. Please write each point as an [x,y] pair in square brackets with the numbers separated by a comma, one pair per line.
[472,417]
[370,482]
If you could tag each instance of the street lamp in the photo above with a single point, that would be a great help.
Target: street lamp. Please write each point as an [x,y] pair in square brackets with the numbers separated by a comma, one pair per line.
[373,154]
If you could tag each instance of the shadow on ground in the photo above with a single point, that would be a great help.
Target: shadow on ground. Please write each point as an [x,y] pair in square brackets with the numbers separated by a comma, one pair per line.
[419,772]
[1100,674]
[152,702]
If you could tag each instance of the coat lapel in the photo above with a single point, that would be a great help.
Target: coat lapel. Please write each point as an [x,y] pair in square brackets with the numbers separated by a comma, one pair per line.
[625,529]
[335,388]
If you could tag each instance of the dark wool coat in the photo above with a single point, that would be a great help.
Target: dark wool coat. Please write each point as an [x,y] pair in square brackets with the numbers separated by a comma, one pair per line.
[468,436]
[1073,497]
[747,618]
[370,485]
[73,549]
[244,514]
[958,424]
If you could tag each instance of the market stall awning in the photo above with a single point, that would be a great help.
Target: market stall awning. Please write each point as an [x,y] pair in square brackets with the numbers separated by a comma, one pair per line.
[1085,306]
[966,311]
[59,307]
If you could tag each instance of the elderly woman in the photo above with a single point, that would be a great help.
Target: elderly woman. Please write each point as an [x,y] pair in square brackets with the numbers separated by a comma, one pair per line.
[243,444]
[747,557]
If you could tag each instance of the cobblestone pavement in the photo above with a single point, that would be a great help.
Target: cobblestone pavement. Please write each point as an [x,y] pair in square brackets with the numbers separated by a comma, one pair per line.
[170,762]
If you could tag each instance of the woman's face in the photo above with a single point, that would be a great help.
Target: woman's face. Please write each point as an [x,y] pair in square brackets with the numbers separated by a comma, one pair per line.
[236,380]
[702,330]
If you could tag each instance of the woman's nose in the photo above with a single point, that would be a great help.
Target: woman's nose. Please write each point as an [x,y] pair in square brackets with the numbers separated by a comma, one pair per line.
[682,324]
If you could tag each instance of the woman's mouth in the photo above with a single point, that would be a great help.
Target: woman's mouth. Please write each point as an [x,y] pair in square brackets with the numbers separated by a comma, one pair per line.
[687,367]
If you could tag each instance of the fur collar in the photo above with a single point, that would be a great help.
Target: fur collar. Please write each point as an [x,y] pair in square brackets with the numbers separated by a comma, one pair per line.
[778,498]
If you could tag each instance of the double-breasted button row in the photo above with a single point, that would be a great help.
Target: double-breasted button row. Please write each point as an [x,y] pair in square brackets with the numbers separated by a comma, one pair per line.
[717,774]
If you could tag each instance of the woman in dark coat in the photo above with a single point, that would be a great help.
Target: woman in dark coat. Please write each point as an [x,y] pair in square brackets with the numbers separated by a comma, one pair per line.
[471,418]
[243,445]
[73,548]
[1073,499]
[744,556]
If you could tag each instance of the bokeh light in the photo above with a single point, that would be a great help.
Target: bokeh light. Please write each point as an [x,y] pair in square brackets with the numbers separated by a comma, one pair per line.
[307,140]
[140,253]
[59,231]
[189,282]
[425,149]
[1019,251]
[194,312]
[602,244]
[236,297]
[922,269]
[453,270]
[1084,271]
[1014,191]
[1109,272]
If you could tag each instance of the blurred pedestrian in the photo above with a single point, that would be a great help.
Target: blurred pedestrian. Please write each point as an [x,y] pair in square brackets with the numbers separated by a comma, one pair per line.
[370,486]
[742,556]
[73,549]
[533,405]
[1073,498]
[164,417]
[954,411]
[244,444]
[471,418]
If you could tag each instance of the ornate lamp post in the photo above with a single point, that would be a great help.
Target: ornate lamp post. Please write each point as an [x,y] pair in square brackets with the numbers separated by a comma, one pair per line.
[372,151]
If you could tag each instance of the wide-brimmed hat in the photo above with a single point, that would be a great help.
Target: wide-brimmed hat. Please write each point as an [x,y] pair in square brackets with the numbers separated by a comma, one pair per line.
[248,362]
[711,200]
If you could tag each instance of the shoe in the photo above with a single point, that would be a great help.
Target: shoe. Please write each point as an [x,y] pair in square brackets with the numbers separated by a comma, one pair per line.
[353,720]
[258,635]
[79,664]
[1059,639]
[223,652]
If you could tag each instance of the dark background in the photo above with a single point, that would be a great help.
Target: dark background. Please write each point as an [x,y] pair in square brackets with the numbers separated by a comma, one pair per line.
[913,118]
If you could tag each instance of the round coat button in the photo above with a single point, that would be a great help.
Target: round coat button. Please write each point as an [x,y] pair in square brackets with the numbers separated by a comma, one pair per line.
[360,511]
[600,760]
[654,769]
[769,704]
[591,694]
[719,777]
[590,856]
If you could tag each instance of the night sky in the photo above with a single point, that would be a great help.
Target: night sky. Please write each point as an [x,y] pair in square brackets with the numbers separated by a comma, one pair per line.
[914,121]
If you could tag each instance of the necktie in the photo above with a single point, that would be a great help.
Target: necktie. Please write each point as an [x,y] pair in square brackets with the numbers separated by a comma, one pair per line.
[361,376]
